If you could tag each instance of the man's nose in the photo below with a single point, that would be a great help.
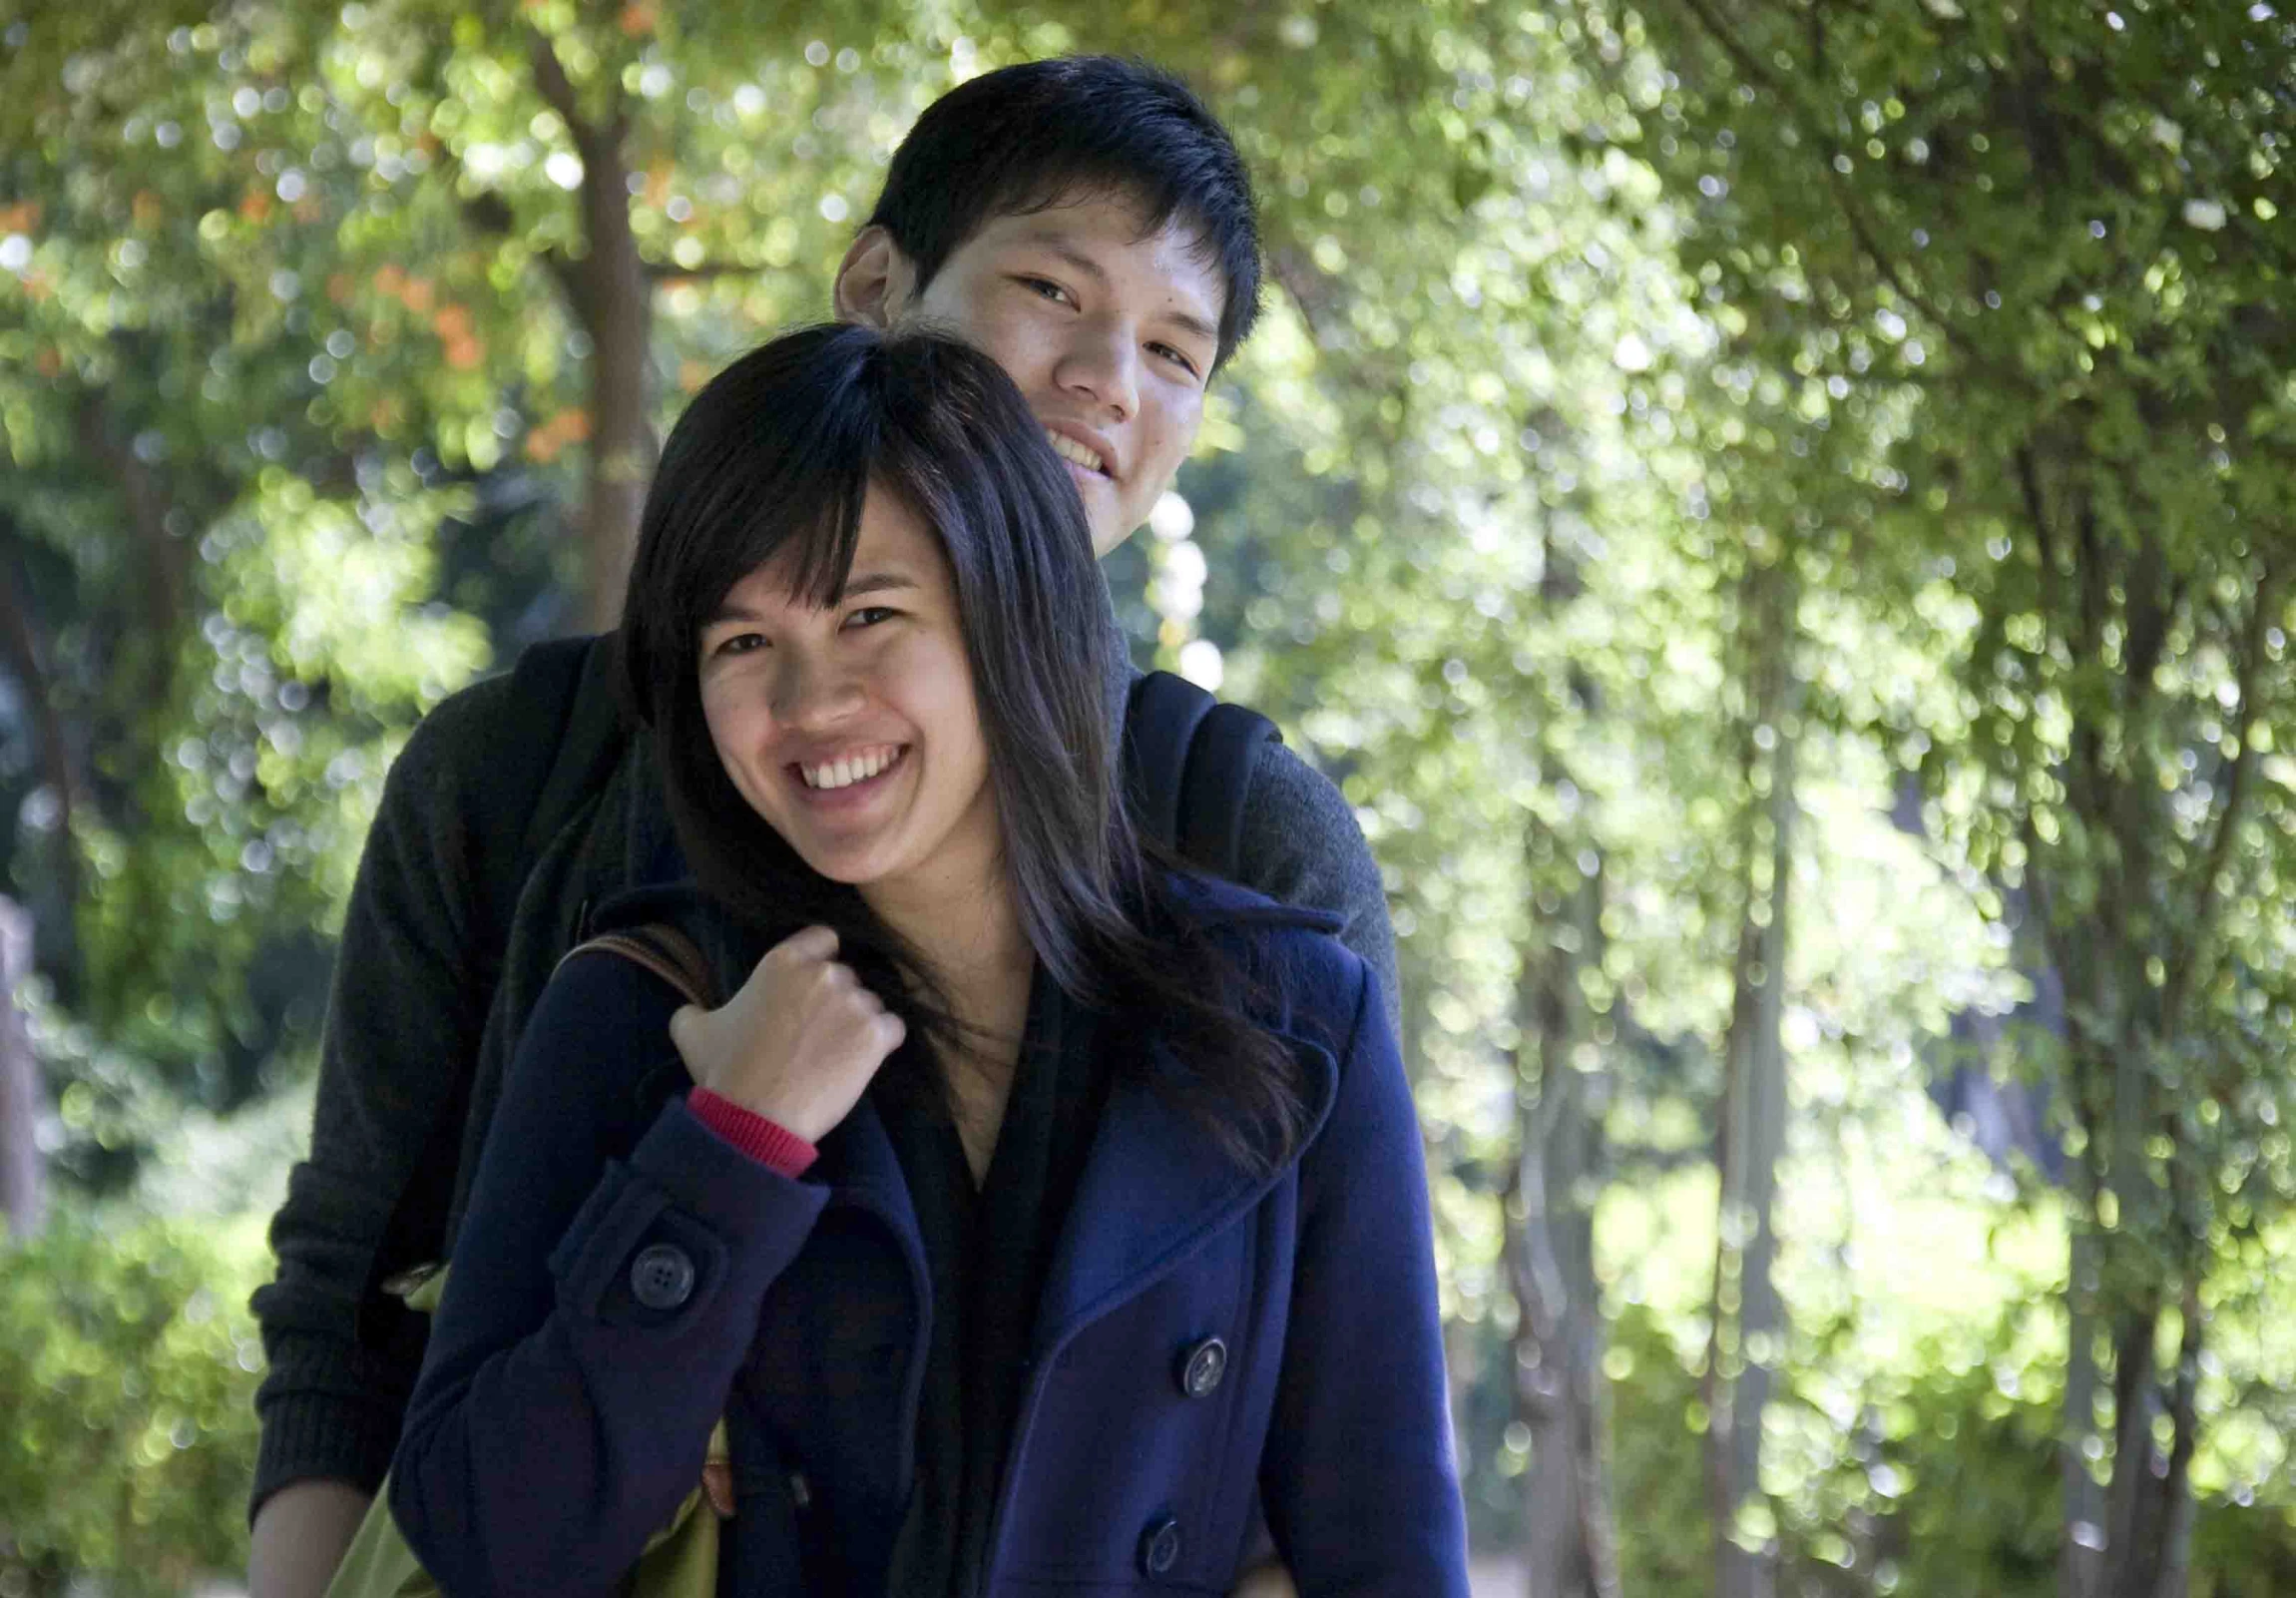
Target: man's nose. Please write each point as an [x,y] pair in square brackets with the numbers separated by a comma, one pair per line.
[1101,363]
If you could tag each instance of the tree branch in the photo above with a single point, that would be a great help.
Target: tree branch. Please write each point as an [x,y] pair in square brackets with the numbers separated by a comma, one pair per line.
[163,557]
[1285,266]
[658,273]
[1861,227]
[1744,59]
[2192,937]
[557,89]
[22,658]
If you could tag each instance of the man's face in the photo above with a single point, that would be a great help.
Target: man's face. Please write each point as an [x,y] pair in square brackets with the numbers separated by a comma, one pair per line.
[1110,334]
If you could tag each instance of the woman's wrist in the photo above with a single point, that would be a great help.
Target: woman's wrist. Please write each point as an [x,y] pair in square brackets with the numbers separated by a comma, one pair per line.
[761,1137]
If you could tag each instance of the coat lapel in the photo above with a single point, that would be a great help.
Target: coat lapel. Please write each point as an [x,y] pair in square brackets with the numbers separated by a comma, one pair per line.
[1153,1187]
[859,1167]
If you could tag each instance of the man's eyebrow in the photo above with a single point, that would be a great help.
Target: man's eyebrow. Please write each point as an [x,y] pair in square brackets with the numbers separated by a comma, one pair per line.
[877,582]
[1057,243]
[1196,327]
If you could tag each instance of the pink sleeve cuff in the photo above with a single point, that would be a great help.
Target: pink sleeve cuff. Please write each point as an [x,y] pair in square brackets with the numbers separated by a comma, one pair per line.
[768,1143]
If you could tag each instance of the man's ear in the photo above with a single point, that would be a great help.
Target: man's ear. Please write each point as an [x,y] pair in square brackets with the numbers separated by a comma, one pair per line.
[875,281]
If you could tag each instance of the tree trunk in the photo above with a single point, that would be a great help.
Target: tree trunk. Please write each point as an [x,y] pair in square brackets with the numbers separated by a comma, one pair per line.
[23,1185]
[2174,1574]
[1569,1545]
[1748,1318]
[610,296]
[2149,1508]
[2081,1561]
[622,448]
[20,655]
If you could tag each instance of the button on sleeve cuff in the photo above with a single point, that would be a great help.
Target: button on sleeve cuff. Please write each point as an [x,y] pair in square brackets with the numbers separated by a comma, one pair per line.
[738,1221]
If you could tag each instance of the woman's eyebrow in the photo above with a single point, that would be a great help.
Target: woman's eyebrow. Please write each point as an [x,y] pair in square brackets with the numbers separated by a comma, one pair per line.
[867,583]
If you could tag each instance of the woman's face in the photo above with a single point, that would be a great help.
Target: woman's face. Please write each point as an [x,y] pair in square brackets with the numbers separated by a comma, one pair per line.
[853,729]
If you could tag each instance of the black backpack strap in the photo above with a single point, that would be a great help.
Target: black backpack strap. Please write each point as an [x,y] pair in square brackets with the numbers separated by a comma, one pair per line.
[1188,769]
[566,685]
[563,690]
[1160,720]
[1218,779]
[577,673]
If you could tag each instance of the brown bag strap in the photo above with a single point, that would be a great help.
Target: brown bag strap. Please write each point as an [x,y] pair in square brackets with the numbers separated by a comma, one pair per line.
[662,949]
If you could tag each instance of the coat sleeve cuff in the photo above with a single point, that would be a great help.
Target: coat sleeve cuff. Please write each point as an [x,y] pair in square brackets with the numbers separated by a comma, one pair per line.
[739,1223]
[769,1142]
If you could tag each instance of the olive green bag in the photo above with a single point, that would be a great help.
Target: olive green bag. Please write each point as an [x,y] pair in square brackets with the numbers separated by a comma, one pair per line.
[681,1560]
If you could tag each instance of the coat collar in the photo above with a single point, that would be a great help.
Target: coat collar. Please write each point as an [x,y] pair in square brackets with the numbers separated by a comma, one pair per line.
[1153,1187]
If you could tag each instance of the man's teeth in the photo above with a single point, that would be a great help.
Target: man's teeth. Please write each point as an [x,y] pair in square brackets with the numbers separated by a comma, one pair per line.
[1068,449]
[850,769]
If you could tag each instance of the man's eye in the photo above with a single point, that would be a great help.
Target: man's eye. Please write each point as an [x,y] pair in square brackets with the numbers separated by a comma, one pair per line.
[1046,288]
[1176,358]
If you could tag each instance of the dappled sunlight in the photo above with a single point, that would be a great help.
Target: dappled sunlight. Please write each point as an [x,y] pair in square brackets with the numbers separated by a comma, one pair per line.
[1775,523]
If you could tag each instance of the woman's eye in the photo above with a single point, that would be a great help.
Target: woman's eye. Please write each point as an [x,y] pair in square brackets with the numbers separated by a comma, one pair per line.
[872,615]
[740,644]
[1046,288]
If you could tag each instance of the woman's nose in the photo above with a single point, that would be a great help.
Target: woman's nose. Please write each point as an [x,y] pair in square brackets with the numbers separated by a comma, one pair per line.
[813,692]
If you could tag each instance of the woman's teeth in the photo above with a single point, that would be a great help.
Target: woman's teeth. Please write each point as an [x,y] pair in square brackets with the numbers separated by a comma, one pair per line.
[851,769]
[1068,449]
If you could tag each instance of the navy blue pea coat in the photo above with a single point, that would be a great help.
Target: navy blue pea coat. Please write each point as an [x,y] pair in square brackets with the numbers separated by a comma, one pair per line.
[624,1277]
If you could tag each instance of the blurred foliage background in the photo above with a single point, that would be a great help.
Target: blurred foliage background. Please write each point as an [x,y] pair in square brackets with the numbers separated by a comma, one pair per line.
[1780,516]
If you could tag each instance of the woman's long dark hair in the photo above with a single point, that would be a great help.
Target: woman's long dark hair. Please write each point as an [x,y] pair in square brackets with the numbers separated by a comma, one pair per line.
[775,455]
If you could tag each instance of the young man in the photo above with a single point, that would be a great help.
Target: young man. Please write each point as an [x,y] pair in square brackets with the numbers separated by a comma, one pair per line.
[1087,223]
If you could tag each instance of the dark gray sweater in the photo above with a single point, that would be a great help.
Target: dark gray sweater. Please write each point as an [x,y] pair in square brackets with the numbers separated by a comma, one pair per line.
[421,1026]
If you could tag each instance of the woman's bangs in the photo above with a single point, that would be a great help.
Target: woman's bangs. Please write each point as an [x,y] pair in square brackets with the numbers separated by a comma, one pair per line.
[805,518]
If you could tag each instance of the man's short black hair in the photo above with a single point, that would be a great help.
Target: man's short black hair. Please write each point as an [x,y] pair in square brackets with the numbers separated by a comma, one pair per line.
[1028,137]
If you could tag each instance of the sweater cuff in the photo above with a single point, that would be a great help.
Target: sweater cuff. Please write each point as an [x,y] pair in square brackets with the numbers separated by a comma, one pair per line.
[771,1144]
[312,1437]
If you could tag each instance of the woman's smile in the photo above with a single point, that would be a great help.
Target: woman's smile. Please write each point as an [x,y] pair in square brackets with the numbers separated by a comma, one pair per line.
[844,770]
[848,785]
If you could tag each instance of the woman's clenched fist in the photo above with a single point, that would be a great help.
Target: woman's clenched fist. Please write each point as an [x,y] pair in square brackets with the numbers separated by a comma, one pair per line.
[798,1043]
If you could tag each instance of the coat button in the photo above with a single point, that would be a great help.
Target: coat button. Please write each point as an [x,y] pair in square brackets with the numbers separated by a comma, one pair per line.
[661,1277]
[1202,1367]
[1159,1548]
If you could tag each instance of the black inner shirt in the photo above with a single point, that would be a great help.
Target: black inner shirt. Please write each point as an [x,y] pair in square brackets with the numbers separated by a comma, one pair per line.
[988,1248]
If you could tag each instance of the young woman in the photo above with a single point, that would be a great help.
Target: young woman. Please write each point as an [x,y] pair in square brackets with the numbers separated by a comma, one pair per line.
[1036,1214]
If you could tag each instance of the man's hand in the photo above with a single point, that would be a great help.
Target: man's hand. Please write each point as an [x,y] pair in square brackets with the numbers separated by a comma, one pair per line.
[798,1043]
[300,1535]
